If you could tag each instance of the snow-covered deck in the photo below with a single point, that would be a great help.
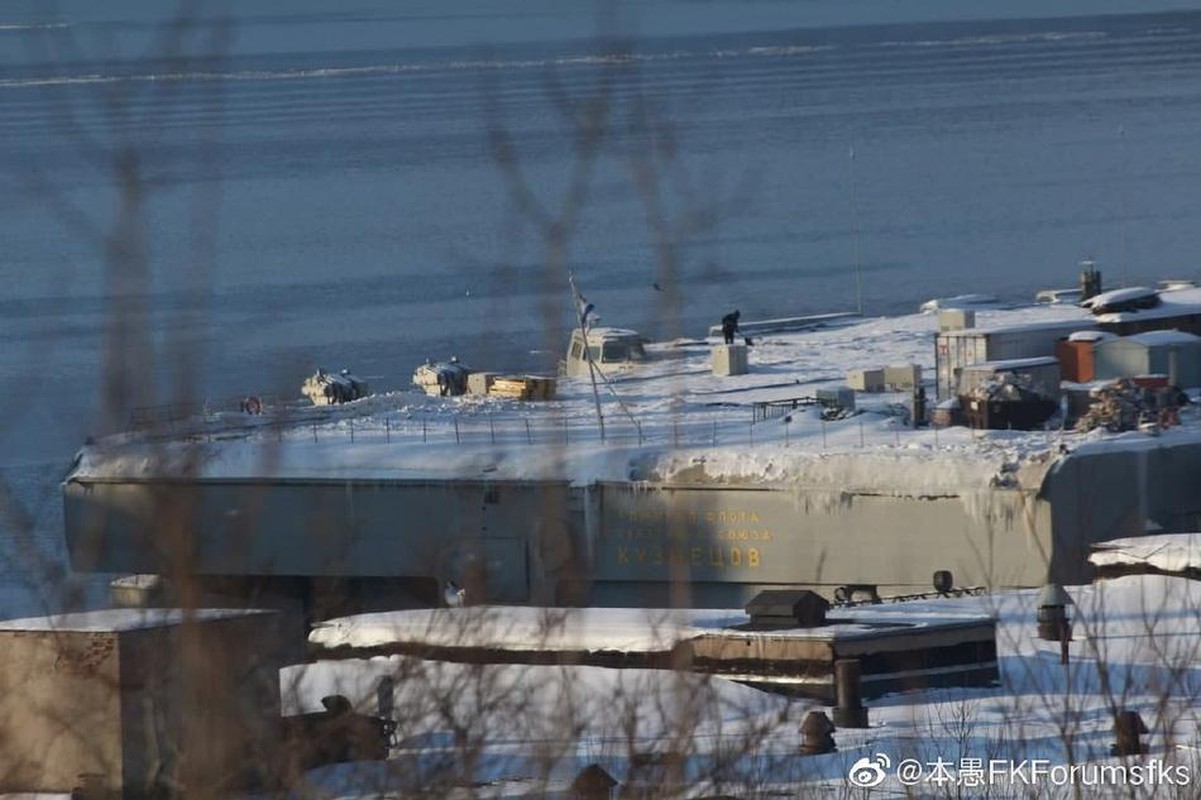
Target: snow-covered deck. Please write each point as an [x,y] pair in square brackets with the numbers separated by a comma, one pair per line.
[681,420]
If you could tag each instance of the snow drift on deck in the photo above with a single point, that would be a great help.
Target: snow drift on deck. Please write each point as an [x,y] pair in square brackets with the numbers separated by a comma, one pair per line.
[1170,552]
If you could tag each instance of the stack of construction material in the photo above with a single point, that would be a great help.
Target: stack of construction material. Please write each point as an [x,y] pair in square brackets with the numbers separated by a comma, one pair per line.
[523,387]
[1116,407]
[1125,404]
[480,382]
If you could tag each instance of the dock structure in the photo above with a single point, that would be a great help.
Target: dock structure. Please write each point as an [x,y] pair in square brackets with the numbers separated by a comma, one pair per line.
[898,646]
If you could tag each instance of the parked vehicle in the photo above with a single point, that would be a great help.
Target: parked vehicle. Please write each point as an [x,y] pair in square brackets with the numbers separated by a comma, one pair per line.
[327,388]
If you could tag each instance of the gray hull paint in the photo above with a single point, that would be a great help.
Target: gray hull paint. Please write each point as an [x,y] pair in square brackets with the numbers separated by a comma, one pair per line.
[613,543]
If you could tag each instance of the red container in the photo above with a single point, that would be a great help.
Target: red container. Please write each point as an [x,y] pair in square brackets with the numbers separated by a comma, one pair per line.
[1075,360]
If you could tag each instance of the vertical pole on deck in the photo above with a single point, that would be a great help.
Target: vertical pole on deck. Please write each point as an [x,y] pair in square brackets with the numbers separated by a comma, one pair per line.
[855,256]
[580,308]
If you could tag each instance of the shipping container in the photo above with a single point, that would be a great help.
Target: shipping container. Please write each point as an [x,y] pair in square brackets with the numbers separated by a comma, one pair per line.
[866,380]
[1076,360]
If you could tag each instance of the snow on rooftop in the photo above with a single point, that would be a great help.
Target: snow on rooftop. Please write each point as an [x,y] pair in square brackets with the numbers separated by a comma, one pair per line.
[1075,321]
[525,628]
[1014,363]
[1178,303]
[1090,336]
[115,620]
[577,629]
[1170,552]
[1114,296]
[1159,338]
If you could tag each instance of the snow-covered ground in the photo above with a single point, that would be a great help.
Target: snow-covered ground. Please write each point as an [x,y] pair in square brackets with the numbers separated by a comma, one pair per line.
[690,425]
[519,730]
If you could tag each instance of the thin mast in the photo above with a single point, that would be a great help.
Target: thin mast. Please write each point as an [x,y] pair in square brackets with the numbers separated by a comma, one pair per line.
[582,317]
[855,239]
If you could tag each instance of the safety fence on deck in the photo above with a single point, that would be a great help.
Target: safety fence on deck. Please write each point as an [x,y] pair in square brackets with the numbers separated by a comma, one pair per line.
[380,426]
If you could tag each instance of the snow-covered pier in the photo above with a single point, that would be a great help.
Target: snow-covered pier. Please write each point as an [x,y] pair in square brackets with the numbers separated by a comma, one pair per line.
[897,649]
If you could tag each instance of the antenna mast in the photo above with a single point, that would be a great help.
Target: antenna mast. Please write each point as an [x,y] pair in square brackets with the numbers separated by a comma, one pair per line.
[582,318]
[855,240]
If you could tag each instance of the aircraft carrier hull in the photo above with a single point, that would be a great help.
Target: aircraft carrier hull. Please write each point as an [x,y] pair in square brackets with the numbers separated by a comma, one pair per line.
[629,543]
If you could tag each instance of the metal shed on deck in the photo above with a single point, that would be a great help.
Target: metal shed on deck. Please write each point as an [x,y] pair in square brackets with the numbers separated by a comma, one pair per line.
[955,350]
[1173,353]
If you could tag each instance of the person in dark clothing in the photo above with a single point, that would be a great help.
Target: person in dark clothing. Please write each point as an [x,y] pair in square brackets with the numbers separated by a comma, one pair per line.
[729,326]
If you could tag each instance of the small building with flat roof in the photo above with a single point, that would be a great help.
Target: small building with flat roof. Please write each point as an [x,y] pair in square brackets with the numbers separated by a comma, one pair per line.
[1176,354]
